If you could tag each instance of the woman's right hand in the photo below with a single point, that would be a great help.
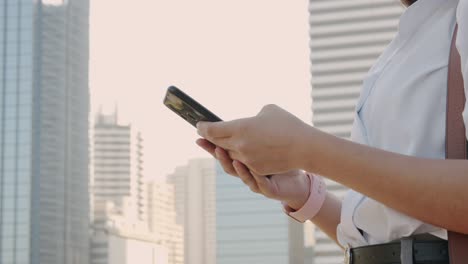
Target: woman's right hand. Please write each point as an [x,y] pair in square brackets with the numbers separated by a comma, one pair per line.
[292,187]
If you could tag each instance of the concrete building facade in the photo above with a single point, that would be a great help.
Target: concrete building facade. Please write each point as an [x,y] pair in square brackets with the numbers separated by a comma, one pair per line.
[195,186]
[162,219]
[346,37]
[118,189]
[117,174]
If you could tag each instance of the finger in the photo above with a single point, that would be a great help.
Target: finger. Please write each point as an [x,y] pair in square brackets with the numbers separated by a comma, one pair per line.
[226,161]
[268,108]
[206,145]
[263,181]
[246,176]
[225,143]
[234,155]
[211,130]
[267,185]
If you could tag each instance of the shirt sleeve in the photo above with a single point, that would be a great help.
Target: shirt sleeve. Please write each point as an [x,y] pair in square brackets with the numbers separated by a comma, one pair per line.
[462,46]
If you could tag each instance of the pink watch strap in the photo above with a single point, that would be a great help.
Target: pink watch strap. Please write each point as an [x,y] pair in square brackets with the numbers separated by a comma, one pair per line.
[313,204]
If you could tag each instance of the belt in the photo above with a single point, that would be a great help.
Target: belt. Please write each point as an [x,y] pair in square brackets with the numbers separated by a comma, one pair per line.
[409,250]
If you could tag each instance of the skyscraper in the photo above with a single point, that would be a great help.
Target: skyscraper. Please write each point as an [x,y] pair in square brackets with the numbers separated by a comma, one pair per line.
[253,229]
[117,168]
[195,209]
[44,104]
[346,37]
[118,189]
[162,219]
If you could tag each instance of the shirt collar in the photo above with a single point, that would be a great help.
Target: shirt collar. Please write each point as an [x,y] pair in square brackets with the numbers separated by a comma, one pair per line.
[417,14]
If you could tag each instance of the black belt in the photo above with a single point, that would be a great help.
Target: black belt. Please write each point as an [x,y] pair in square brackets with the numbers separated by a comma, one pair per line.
[433,252]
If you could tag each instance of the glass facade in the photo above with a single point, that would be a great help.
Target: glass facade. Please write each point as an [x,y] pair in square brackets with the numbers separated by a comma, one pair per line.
[16,48]
[43,121]
[251,228]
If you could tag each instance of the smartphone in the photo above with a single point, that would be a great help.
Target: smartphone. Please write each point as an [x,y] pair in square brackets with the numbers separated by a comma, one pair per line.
[187,108]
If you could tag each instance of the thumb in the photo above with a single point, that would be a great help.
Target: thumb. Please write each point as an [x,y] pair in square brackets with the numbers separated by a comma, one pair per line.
[219,129]
[267,185]
[268,109]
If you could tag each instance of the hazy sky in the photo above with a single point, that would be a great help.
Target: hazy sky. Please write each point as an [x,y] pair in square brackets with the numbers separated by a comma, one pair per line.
[231,56]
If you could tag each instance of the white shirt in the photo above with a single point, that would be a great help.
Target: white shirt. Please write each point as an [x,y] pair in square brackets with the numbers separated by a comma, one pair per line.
[402,109]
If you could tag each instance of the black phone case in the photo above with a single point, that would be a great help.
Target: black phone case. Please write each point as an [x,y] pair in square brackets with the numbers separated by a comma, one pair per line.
[187,108]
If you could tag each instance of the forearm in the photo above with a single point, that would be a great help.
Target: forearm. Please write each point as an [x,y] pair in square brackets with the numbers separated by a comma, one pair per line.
[329,215]
[433,191]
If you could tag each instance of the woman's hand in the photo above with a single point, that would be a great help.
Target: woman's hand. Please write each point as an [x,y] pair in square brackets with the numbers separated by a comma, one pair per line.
[292,187]
[269,143]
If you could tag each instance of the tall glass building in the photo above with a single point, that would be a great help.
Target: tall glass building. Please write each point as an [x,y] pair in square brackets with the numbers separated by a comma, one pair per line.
[346,37]
[44,102]
[253,229]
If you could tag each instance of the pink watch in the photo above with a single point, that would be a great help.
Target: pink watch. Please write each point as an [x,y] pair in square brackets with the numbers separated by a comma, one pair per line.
[314,203]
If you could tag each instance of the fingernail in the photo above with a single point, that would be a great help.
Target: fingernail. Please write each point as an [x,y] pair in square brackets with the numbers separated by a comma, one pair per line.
[200,124]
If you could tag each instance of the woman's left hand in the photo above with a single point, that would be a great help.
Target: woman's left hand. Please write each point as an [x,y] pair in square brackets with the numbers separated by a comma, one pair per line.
[268,143]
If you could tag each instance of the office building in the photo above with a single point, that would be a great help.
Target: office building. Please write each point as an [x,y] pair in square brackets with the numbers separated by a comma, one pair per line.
[121,240]
[195,209]
[118,187]
[135,249]
[44,105]
[117,168]
[253,229]
[162,219]
[346,37]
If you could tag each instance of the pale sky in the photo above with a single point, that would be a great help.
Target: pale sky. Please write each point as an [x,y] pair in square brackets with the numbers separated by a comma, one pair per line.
[231,56]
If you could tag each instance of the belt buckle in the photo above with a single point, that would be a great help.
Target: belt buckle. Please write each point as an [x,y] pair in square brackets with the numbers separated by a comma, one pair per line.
[348,256]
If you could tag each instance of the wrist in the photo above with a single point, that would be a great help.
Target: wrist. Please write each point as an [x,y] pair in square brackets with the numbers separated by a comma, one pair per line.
[303,194]
[313,153]
[303,149]
[314,202]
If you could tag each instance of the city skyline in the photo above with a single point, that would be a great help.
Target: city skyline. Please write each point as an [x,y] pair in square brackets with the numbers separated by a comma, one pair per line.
[71,179]
[221,64]
[137,86]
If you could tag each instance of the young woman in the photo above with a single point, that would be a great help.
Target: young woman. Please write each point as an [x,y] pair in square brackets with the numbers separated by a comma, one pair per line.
[401,184]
